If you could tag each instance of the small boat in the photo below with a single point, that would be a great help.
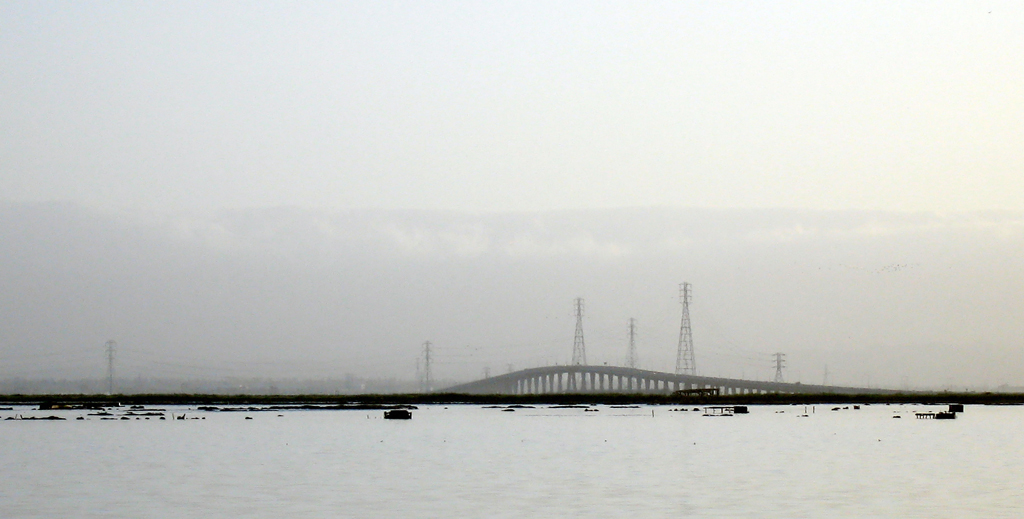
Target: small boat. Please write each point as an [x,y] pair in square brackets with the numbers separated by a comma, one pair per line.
[725,410]
[941,415]
[398,414]
[719,411]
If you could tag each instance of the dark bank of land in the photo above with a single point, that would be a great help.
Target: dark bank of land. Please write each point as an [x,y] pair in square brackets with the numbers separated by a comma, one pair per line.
[375,401]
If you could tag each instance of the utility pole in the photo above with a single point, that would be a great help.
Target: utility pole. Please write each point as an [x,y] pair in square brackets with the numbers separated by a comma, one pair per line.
[579,349]
[427,378]
[685,362]
[824,379]
[780,362]
[111,349]
[631,359]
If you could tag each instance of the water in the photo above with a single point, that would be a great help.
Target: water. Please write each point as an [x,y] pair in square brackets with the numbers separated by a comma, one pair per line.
[470,461]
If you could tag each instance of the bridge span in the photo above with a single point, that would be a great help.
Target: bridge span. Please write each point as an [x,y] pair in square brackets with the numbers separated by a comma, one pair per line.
[614,379]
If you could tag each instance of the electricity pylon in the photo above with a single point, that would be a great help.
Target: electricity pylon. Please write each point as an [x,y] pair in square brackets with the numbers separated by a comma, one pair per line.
[780,362]
[685,362]
[579,349]
[631,359]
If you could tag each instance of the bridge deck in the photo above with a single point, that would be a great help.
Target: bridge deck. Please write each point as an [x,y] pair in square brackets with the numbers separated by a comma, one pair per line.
[614,379]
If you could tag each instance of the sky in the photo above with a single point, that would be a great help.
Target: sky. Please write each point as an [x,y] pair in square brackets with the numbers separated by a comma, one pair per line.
[319,187]
[499,106]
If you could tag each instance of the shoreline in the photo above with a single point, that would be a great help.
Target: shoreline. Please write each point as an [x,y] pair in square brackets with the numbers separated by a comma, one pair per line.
[347,401]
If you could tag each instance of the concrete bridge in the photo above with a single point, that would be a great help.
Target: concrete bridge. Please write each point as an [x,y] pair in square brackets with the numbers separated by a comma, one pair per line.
[613,379]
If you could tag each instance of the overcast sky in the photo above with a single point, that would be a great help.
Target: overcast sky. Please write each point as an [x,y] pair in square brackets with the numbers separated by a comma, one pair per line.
[215,181]
[514,105]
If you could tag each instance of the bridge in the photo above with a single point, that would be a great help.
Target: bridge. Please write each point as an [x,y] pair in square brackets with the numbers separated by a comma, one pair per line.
[614,379]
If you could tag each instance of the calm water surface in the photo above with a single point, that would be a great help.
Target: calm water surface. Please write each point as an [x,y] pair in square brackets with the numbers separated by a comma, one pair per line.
[470,461]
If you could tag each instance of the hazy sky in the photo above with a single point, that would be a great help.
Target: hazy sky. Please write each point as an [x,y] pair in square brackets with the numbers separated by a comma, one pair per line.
[291,189]
[513,105]
[890,299]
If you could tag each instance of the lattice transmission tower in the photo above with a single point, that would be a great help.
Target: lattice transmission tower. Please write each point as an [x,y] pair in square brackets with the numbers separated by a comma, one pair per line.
[685,362]
[631,359]
[428,379]
[780,362]
[111,347]
[579,349]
